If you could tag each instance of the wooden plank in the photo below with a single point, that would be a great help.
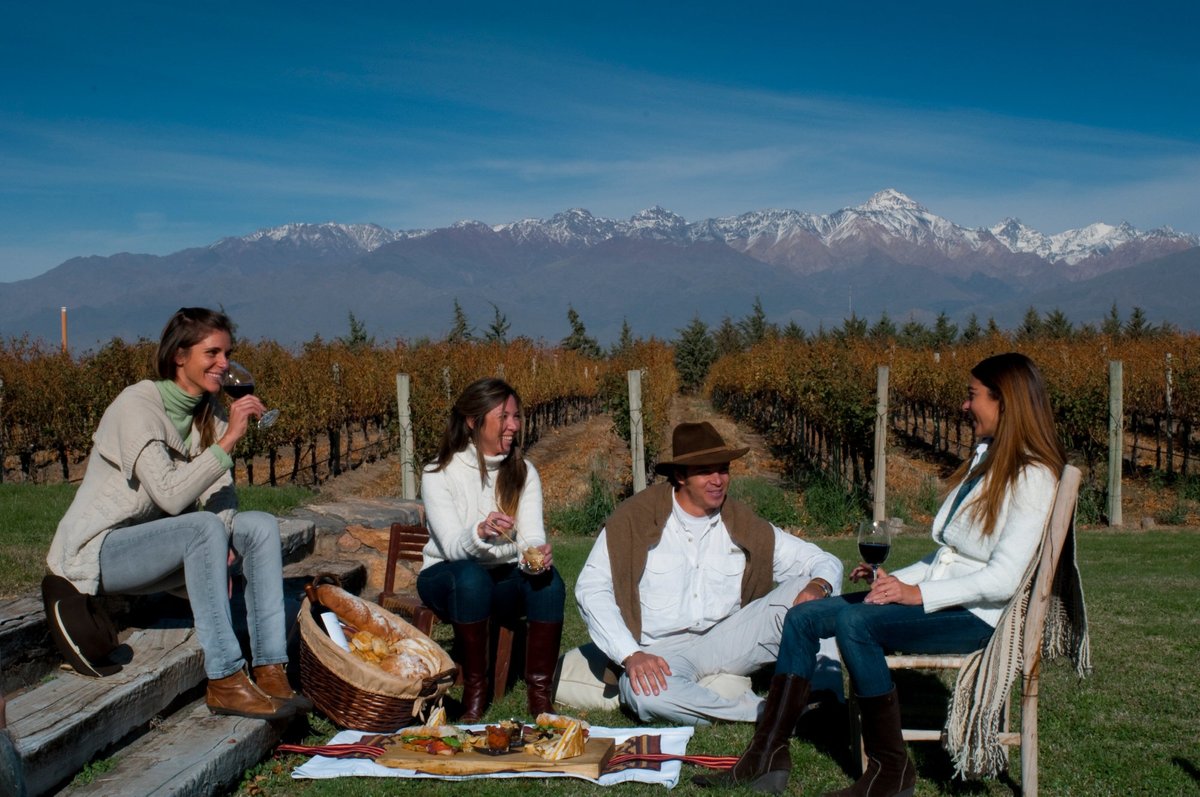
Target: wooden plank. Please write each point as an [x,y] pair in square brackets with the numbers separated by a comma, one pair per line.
[596,752]
[192,754]
[60,725]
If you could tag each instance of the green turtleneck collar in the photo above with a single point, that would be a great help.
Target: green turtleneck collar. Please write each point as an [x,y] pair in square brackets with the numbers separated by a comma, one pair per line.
[180,406]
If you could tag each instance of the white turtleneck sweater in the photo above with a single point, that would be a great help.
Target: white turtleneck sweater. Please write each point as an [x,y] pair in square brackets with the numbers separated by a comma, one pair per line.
[456,502]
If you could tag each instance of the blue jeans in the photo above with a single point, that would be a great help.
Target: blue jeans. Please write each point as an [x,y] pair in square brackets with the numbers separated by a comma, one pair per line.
[192,550]
[867,632]
[466,592]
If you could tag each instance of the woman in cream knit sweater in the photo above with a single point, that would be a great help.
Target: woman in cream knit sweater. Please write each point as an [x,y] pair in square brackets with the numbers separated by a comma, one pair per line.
[487,554]
[157,510]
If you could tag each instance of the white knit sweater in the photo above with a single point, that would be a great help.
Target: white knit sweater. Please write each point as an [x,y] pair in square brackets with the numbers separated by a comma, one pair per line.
[456,502]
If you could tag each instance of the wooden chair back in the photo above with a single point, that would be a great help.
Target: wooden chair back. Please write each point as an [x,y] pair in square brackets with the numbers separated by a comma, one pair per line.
[1061,517]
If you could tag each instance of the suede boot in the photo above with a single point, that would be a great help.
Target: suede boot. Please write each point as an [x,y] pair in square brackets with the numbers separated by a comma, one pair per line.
[541,659]
[765,765]
[472,640]
[890,772]
[237,695]
[272,679]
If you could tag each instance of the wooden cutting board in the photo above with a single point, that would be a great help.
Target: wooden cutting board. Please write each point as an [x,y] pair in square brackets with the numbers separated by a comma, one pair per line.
[595,754]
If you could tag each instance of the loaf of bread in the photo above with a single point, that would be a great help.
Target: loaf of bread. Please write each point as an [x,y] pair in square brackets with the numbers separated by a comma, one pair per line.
[379,638]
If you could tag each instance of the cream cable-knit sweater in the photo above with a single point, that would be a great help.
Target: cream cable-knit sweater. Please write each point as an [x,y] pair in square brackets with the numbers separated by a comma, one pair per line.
[139,470]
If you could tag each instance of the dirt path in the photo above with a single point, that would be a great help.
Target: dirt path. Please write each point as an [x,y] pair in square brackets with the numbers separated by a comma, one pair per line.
[566,457]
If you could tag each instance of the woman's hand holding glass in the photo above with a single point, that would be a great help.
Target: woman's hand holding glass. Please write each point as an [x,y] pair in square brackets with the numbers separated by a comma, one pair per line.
[242,413]
[884,588]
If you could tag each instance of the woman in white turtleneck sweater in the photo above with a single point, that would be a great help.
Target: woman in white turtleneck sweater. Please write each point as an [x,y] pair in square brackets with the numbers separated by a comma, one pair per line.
[483,502]
[157,510]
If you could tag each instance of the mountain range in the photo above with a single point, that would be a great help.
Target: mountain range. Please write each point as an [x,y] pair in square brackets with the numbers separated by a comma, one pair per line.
[656,270]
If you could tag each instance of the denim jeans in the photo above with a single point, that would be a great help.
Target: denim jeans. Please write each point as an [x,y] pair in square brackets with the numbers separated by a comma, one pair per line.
[192,550]
[466,592]
[867,632]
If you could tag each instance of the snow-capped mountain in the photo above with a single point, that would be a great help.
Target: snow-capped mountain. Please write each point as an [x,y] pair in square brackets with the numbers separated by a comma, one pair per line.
[889,224]
[655,269]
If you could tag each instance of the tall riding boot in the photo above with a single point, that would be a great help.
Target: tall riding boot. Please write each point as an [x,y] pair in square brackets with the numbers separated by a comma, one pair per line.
[890,772]
[472,641]
[765,765]
[541,659]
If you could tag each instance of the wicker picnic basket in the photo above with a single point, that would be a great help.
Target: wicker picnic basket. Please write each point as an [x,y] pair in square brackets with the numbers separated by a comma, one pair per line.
[353,693]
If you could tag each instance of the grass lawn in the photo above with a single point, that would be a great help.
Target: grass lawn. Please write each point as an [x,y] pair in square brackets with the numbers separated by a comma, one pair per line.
[1128,729]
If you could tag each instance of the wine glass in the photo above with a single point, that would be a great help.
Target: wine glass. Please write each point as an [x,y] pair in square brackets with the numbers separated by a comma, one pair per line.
[874,543]
[238,382]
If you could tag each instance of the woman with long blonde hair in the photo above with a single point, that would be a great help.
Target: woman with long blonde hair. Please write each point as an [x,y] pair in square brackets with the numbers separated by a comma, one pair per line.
[487,555]
[987,531]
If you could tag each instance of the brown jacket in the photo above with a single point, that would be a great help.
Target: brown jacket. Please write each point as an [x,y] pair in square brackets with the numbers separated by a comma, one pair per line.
[637,526]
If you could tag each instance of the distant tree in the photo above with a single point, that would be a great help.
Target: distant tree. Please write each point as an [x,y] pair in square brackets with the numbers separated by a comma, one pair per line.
[624,341]
[884,329]
[694,355]
[914,335]
[821,335]
[972,331]
[358,338]
[461,331]
[728,338]
[1111,325]
[945,331]
[497,331]
[579,340]
[1138,326]
[794,331]
[853,328]
[755,328]
[1057,326]
[1031,325]
[993,329]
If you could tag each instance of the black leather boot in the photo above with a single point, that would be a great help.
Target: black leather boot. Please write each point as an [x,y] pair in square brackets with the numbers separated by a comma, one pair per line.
[890,772]
[541,659]
[765,765]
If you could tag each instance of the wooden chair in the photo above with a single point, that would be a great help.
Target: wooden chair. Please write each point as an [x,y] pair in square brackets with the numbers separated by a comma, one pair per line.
[405,544]
[1061,517]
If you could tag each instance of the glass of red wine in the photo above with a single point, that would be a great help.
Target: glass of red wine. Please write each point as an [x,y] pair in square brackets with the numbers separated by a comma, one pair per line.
[238,382]
[874,543]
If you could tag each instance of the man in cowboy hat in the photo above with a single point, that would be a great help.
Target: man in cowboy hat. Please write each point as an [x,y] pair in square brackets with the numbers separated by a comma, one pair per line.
[685,591]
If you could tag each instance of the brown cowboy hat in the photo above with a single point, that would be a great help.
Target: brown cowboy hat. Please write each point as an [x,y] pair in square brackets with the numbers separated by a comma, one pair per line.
[697,444]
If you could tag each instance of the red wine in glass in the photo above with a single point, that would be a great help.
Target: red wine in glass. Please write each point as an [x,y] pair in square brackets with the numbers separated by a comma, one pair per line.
[874,543]
[238,382]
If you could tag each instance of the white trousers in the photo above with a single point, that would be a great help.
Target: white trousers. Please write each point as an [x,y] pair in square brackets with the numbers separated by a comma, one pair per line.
[741,644]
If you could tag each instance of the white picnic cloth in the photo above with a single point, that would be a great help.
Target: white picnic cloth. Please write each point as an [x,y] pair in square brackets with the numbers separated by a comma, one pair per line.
[674,741]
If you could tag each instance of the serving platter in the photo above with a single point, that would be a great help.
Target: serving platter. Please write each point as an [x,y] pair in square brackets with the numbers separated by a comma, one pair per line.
[596,753]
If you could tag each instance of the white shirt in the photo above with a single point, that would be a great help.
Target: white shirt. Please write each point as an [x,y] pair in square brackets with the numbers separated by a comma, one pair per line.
[692,581]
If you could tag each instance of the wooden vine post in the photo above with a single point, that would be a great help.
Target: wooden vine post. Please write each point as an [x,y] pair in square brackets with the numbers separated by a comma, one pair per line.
[637,432]
[879,483]
[1116,439]
[408,473]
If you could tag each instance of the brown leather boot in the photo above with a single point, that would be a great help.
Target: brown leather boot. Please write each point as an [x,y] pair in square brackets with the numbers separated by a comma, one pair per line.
[272,679]
[765,765]
[890,772]
[472,641]
[541,659]
[237,695]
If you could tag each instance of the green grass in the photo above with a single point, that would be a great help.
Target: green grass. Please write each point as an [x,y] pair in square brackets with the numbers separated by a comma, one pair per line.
[29,514]
[586,518]
[1128,729]
[768,500]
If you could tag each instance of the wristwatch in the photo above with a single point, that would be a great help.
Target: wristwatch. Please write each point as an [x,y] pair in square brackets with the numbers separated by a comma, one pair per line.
[823,586]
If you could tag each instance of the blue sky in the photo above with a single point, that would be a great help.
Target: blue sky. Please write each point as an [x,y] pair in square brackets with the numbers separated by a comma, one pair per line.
[152,127]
